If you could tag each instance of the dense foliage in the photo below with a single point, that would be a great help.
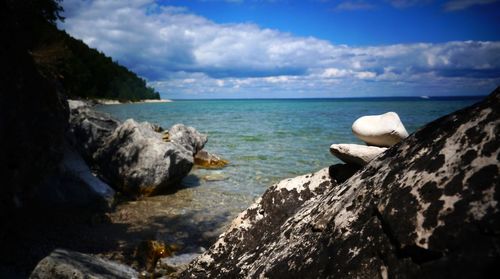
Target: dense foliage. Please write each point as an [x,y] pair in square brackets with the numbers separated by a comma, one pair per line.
[85,72]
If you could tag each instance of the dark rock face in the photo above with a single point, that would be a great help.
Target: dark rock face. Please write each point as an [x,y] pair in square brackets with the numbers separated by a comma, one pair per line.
[427,208]
[33,120]
[73,186]
[68,264]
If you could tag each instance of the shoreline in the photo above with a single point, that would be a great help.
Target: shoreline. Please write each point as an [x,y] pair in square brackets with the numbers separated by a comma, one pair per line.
[117,102]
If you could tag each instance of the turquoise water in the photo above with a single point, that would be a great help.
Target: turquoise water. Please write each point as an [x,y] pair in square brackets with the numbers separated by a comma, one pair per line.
[269,140]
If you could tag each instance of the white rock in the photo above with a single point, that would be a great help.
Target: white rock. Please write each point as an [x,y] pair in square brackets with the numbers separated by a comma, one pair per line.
[355,153]
[380,130]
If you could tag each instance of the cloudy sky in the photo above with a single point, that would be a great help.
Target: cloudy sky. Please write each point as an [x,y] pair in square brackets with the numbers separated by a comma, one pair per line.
[296,49]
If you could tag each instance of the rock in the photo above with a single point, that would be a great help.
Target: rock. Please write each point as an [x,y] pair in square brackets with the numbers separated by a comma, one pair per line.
[136,160]
[89,128]
[178,263]
[208,160]
[188,137]
[148,253]
[132,157]
[33,120]
[355,153]
[68,264]
[426,208]
[380,130]
[74,186]
[216,176]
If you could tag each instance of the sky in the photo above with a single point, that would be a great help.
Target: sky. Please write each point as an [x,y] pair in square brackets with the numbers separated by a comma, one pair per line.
[297,49]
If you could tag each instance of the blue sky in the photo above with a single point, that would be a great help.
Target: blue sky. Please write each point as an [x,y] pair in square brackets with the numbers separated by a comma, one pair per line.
[310,48]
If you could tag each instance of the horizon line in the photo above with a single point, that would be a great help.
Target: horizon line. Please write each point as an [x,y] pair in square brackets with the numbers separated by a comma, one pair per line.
[335,98]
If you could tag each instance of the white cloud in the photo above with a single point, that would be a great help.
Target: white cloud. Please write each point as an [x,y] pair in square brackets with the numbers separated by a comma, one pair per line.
[455,5]
[184,54]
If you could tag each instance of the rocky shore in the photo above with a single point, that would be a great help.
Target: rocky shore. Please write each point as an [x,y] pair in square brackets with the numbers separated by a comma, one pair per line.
[423,205]
[427,207]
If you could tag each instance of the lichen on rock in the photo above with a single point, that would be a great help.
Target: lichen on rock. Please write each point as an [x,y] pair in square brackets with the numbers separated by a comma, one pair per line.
[428,207]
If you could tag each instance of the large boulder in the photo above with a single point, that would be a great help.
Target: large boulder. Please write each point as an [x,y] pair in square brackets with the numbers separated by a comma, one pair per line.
[188,137]
[380,130]
[136,160]
[356,153]
[69,264]
[428,207]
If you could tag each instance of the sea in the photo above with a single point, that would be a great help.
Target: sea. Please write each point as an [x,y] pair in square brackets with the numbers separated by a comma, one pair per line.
[267,140]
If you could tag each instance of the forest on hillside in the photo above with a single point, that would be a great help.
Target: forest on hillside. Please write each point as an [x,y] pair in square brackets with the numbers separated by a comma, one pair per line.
[85,72]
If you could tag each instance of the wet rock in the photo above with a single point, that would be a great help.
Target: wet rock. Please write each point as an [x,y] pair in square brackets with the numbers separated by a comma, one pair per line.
[136,160]
[68,264]
[205,159]
[380,130]
[355,153]
[149,252]
[74,186]
[427,208]
[178,263]
[188,137]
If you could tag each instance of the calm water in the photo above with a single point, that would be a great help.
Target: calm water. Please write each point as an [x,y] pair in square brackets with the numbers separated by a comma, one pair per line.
[269,140]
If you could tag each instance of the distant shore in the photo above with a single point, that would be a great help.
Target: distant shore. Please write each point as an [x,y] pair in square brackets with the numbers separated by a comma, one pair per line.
[116,102]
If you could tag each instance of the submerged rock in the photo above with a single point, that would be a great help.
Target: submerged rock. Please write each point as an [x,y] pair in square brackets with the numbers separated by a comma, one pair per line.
[208,160]
[178,263]
[355,153]
[427,208]
[136,160]
[68,264]
[380,130]
[149,252]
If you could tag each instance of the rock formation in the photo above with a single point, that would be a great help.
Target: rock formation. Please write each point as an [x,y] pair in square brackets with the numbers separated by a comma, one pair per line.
[380,130]
[356,153]
[89,127]
[68,264]
[426,208]
[134,157]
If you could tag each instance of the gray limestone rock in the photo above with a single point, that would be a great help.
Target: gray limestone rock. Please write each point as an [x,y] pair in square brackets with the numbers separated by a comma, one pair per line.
[356,153]
[133,157]
[428,207]
[89,128]
[136,160]
[69,264]
[188,137]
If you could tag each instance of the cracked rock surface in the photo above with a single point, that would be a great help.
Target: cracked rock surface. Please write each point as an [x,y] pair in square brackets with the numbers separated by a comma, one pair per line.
[133,157]
[427,208]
